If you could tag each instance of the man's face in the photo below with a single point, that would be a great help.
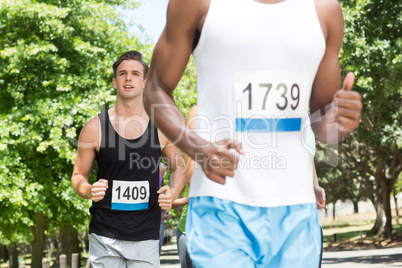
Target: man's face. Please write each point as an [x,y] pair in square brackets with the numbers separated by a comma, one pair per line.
[129,81]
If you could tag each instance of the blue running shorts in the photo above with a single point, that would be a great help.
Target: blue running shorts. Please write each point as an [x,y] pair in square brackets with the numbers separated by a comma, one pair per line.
[222,233]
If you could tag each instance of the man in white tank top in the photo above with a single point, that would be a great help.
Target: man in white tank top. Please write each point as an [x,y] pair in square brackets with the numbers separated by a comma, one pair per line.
[262,66]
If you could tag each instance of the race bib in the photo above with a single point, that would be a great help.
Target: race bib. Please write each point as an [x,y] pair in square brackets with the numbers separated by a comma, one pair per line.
[130,195]
[269,102]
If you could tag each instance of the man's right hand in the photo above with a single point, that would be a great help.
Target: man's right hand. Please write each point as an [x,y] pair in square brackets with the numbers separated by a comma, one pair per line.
[217,161]
[98,190]
[319,196]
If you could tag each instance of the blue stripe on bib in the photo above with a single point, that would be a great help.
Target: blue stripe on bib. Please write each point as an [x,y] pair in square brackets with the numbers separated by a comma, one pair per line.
[123,206]
[268,124]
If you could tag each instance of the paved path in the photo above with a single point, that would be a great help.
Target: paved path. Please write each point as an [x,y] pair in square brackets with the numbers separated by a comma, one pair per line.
[372,258]
[169,256]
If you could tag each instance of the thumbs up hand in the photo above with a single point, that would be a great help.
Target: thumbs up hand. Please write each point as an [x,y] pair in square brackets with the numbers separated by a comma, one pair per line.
[347,106]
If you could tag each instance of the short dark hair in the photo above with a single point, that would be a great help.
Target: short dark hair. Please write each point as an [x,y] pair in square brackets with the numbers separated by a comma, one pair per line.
[130,55]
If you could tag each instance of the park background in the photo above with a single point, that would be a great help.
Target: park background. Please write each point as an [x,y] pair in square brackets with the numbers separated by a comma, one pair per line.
[55,62]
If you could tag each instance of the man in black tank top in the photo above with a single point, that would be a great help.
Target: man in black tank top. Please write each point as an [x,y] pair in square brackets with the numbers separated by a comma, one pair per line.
[126,198]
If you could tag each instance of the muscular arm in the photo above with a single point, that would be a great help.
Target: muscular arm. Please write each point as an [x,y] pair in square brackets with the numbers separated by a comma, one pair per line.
[168,63]
[189,163]
[87,143]
[176,167]
[337,111]
[184,23]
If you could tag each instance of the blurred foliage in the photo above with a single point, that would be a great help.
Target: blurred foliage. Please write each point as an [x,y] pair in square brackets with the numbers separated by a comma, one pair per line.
[372,50]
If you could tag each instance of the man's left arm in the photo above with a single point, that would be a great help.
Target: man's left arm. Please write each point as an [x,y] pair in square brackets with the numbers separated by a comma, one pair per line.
[176,166]
[318,191]
[338,109]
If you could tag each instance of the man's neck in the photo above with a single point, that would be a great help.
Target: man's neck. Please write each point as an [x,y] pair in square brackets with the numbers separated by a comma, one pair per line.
[130,108]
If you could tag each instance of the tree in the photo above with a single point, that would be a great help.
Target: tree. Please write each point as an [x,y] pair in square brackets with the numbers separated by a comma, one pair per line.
[330,179]
[372,50]
[397,190]
[56,59]
[340,182]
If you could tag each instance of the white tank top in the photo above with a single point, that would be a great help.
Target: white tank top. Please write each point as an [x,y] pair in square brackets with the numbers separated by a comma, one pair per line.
[256,64]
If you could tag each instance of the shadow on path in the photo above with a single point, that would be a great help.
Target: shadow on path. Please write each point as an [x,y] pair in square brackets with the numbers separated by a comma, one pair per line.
[169,256]
[377,259]
[171,261]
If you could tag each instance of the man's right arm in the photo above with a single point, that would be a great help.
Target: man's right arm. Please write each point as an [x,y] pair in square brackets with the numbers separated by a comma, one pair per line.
[169,61]
[172,52]
[87,145]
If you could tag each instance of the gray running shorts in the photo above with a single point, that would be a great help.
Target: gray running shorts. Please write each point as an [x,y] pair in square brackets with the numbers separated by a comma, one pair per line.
[107,252]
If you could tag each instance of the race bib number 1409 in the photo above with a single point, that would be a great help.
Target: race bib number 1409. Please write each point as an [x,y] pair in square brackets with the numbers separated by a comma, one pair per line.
[130,195]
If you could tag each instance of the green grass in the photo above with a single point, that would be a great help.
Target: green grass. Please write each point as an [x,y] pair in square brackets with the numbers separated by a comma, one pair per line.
[344,223]
[354,236]
[343,237]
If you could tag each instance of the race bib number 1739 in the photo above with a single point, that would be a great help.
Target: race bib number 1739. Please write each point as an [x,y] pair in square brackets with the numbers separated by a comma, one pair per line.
[269,102]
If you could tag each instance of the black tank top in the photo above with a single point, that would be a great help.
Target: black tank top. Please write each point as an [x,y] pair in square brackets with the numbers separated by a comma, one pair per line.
[130,210]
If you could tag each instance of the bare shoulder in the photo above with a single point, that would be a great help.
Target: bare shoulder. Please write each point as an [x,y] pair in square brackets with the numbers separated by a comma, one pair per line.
[91,131]
[190,7]
[328,7]
[330,15]
[192,12]
[183,25]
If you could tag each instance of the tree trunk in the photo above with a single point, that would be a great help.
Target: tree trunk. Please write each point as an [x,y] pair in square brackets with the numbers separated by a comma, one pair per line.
[4,253]
[355,206]
[13,256]
[38,243]
[75,243]
[386,200]
[333,211]
[396,208]
[382,203]
[381,219]
[63,244]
